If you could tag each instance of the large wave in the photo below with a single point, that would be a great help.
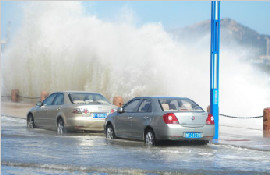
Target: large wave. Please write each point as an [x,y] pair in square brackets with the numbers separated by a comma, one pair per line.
[59,47]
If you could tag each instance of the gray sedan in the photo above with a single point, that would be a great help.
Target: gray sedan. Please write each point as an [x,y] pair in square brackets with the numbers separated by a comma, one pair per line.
[160,118]
[70,110]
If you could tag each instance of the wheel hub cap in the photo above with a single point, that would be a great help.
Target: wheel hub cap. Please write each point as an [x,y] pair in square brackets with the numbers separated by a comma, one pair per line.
[60,128]
[109,133]
[149,138]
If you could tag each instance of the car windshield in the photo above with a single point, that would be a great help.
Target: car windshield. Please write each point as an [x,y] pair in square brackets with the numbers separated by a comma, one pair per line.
[179,105]
[87,98]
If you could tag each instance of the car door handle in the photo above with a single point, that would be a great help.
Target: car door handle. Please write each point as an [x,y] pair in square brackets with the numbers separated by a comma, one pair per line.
[146,117]
[129,117]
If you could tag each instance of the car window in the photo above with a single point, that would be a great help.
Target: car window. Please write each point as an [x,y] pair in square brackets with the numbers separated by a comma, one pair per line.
[179,105]
[49,100]
[132,106]
[145,106]
[59,100]
[87,98]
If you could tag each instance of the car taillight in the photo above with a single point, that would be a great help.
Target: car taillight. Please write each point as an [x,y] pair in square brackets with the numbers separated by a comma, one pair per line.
[210,120]
[80,111]
[170,118]
[112,111]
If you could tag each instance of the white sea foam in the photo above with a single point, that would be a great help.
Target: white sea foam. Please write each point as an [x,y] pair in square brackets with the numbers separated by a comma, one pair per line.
[59,47]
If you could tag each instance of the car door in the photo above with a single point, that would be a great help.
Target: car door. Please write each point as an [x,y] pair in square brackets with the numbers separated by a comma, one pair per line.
[43,117]
[54,109]
[141,118]
[123,121]
[38,116]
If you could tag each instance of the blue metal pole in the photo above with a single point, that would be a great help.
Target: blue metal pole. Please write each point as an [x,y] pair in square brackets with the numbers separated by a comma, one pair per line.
[214,63]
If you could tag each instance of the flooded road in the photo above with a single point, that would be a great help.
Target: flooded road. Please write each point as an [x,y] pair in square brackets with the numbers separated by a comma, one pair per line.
[38,151]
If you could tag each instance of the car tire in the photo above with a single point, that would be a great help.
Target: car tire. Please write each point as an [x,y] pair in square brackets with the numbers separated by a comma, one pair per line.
[110,132]
[60,126]
[30,121]
[149,138]
[204,142]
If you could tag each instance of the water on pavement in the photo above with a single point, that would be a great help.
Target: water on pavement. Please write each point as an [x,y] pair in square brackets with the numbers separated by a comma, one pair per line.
[39,151]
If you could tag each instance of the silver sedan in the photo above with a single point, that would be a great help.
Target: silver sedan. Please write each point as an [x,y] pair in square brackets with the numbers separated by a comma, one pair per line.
[70,110]
[160,118]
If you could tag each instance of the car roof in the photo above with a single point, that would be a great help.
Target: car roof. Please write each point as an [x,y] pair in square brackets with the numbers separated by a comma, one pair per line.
[163,97]
[76,92]
[81,92]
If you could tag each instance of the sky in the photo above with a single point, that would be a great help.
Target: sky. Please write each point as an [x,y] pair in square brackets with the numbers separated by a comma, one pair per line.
[171,14]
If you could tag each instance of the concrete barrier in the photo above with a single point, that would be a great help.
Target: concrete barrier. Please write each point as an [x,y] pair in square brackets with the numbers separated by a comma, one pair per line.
[266,122]
[43,95]
[118,101]
[15,95]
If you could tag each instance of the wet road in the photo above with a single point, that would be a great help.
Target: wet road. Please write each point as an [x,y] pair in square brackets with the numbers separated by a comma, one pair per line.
[38,151]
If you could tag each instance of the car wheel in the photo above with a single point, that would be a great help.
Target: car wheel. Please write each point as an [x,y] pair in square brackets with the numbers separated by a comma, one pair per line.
[149,138]
[30,121]
[204,142]
[110,132]
[60,126]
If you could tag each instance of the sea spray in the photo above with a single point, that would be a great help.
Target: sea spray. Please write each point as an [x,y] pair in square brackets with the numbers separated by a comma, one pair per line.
[59,47]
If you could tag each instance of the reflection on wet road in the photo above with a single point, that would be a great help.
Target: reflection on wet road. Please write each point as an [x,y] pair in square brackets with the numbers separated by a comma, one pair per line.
[38,151]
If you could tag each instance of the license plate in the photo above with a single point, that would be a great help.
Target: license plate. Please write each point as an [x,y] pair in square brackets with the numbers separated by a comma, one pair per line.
[99,115]
[193,135]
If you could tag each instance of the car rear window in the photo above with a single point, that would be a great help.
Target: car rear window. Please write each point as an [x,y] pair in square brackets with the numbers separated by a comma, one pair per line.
[87,98]
[179,105]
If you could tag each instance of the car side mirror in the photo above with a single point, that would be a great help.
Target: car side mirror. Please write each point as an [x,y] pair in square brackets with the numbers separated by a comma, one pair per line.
[120,110]
[39,103]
